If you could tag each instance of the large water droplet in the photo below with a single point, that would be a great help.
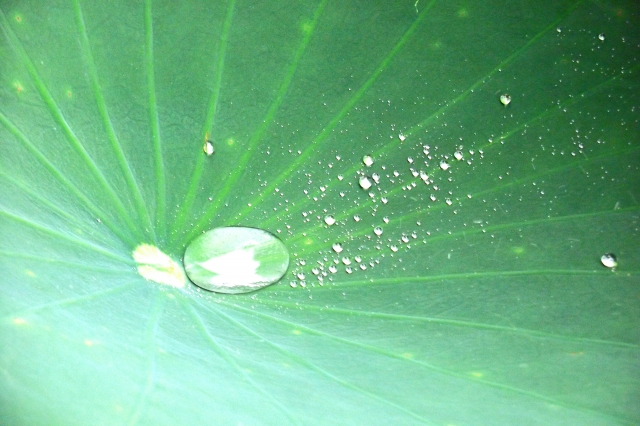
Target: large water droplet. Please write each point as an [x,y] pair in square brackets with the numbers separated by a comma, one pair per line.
[208,148]
[329,220]
[609,260]
[367,160]
[365,182]
[236,259]
[505,99]
[377,230]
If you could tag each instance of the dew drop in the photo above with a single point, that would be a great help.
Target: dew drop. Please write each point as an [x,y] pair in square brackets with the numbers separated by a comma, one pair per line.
[367,160]
[609,260]
[365,182]
[356,217]
[405,238]
[346,261]
[394,248]
[235,259]
[333,269]
[337,247]
[329,220]
[300,275]
[377,230]
[444,165]
[505,99]
[208,148]
[601,37]
[385,219]
[348,270]
[458,155]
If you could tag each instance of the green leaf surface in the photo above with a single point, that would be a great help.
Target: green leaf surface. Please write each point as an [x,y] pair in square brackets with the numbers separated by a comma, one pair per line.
[483,301]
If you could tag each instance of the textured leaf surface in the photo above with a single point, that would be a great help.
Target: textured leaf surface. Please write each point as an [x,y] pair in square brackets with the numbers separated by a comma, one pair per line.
[482,302]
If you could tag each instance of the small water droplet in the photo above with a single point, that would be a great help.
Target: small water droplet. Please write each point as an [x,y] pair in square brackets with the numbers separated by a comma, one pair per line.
[356,217]
[448,201]
[405,239]
[401,137]
[444,165]
[340,177]
[375,177]
[333,269]
[315,271]
[346,260]
[601,36]
[365,182]
[358,259]
[385,219]
[348,270]
[505,99]
[377,230]
[410,160]
[300,275]
[458,155]
[329,220]
[293,284]
[394,248]
[609,260]
[337,247]
[367,160]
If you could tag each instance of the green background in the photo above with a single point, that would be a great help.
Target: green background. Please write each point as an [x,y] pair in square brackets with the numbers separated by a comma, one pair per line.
[498,312]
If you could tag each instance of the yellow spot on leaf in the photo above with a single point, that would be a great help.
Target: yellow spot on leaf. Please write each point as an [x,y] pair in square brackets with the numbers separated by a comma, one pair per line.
[30,273]
[89,342]
[306,27]
[477,374]
[18,86]
[297,332]
[19,321]
[154,265]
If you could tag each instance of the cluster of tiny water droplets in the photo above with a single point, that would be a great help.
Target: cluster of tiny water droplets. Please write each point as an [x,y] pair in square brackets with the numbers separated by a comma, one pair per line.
[358,229]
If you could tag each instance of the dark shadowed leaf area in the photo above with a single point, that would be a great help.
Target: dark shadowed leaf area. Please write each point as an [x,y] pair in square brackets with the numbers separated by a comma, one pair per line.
[445,176]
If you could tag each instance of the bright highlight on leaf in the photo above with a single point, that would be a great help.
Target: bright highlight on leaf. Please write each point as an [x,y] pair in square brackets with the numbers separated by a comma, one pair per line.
[236,259]
[154,265]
